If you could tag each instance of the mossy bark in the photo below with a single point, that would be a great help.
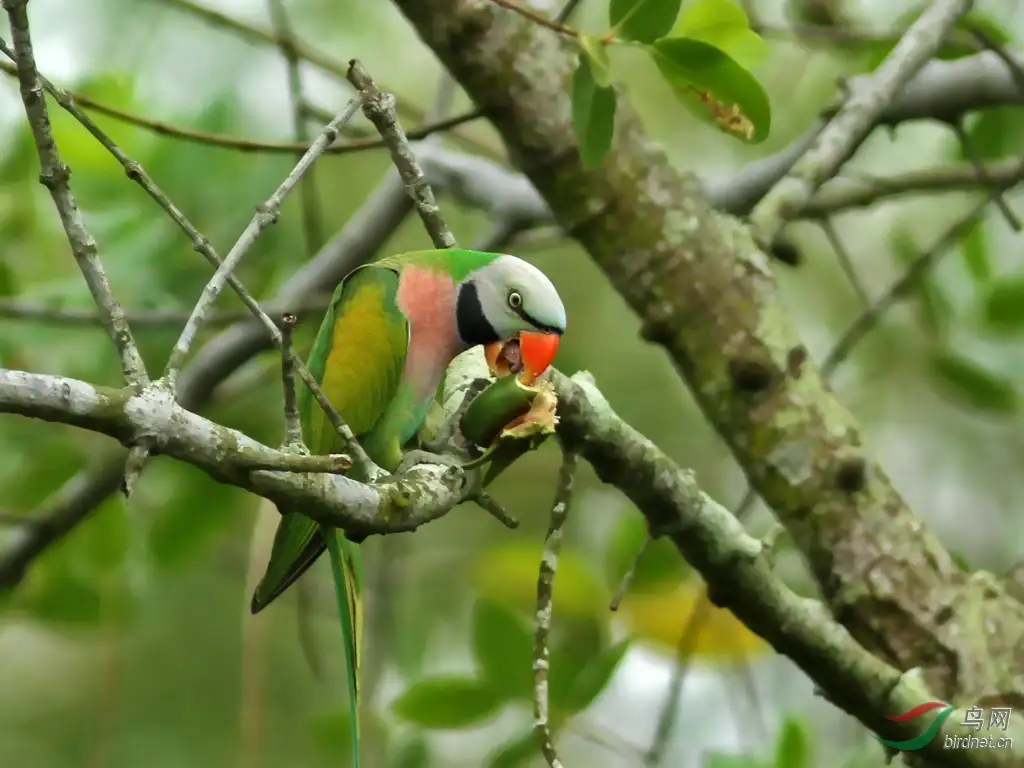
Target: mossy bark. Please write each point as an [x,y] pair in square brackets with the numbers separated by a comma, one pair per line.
[706,295]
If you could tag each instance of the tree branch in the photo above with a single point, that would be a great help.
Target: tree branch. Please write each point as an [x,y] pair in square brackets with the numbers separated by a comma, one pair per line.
[545,593]
[55,177]
[204,138]
[266,214]
[740,577]
[379,108]
[361,238]
[858,116]
[705,294]
[306,53]
[394,504]
[312,218]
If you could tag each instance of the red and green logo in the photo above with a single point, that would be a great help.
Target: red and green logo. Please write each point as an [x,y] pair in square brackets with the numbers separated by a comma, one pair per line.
[930,732]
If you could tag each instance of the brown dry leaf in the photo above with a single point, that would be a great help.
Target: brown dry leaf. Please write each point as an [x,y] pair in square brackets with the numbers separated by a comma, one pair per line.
[731,118]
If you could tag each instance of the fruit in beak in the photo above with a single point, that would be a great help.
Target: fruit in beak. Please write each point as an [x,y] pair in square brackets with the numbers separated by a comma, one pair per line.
[528,354]
[496,363]
[536,351]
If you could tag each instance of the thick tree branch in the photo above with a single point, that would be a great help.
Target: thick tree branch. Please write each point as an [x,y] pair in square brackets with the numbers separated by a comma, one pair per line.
[365,233]
[705,294]
[739,575]
[396,503]
[857,117]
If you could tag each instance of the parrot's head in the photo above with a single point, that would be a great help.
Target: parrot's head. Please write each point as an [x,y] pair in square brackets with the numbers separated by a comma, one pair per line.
[510,303]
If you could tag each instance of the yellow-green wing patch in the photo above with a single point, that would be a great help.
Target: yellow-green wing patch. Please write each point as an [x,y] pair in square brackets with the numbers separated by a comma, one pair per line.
[358,357]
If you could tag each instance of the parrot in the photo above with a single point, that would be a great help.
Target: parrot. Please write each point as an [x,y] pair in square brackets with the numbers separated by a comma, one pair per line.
[392,328]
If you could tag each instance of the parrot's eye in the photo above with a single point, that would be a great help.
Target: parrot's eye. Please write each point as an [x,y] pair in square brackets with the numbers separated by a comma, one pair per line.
[515,299]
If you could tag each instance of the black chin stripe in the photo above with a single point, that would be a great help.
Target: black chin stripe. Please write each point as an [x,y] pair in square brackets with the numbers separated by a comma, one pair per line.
[536,324]
[474,328]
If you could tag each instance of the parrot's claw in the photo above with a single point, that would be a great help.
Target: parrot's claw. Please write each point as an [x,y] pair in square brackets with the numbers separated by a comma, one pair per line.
[414,457]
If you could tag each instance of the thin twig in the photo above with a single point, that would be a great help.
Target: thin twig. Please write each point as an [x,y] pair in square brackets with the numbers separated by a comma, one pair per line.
[858,115]
[684,652]
[266,214]
[238,144]
[305,52]
[55,177]
[292,425]
[138,174]
[870,317]
[31,312]
[986,183]
[845,262]
[566,11]
[627,579]
[861,190]
[986,42]
[669,713]
[379,107]
[545,593]
[493,507]
[537,18]
[312,216]
[369,228]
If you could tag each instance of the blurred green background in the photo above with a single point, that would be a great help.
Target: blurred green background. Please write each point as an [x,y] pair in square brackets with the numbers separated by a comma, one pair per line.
[130,642]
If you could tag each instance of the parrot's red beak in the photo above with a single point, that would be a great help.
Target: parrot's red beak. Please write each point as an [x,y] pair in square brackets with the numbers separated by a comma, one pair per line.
[529,355]
[536,350]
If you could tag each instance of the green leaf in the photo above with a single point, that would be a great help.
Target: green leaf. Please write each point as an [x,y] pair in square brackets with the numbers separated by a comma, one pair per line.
[595,677]
[597,56]
[593,115]
[516,752]
[975,250]
[973,385]
[714,87]
[643,20]
[723,24]
[414,753]
[661,563]
[1004,305]
[503,647]
[993,134]
[791,749]
[447,702]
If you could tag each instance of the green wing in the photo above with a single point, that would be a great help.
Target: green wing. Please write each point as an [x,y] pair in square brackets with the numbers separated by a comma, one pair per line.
[357,358]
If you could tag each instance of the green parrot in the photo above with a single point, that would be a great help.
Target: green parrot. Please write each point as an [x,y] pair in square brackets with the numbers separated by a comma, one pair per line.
[392,328]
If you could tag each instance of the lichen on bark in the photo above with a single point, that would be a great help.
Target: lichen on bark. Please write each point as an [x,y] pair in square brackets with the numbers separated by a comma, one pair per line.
[705,294]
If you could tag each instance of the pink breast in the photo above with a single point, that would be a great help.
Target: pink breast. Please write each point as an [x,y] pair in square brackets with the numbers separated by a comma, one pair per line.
[427,299]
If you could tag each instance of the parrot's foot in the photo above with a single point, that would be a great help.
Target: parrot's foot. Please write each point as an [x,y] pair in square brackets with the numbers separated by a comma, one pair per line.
[414,457]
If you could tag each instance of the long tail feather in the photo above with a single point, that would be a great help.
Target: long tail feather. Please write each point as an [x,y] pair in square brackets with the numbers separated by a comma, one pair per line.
[345,568]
